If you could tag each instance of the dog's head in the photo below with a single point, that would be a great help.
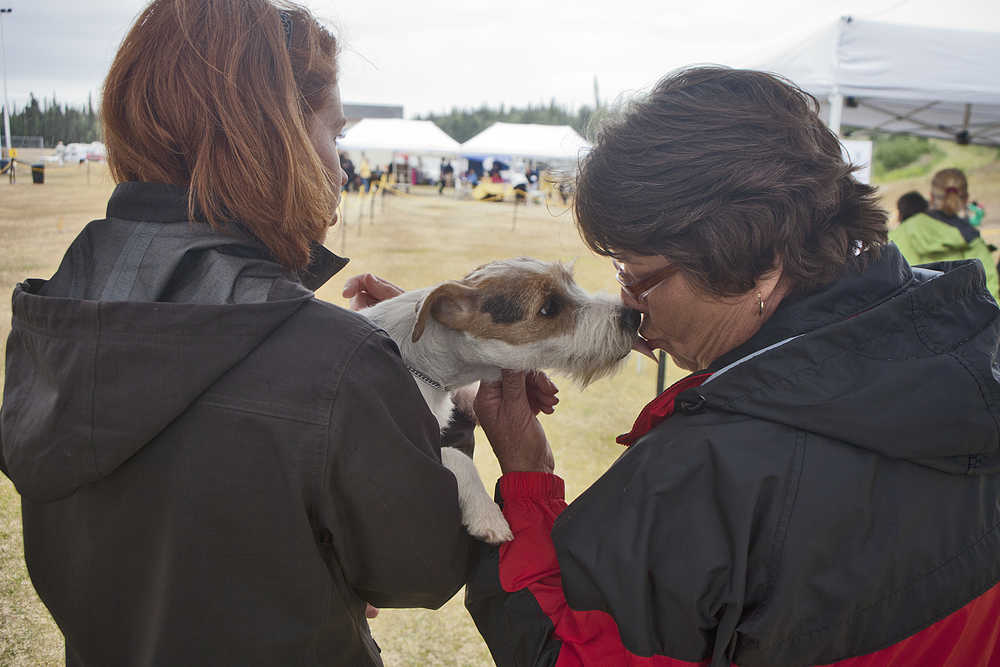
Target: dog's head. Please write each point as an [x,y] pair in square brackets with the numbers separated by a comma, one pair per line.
[524,314]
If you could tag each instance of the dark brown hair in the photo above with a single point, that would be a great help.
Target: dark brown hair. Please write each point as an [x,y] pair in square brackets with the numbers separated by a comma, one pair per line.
[206,94]
[725,173]
[950,191]
[910,204]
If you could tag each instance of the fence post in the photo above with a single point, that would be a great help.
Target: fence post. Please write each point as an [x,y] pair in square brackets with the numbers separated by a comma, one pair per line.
[661,373]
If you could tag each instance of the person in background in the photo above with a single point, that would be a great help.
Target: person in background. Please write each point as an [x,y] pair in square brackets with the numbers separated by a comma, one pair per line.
[519,182]
[444,175]
[494,173]
[348,167]
[824,487]
[216,467]
[365,172]
[909,204]
[943,233]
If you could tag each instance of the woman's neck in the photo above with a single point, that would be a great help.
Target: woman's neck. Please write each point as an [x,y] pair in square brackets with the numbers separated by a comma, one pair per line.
[740,324]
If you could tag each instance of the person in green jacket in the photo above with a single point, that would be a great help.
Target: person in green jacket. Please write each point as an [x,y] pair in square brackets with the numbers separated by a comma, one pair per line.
[943,233]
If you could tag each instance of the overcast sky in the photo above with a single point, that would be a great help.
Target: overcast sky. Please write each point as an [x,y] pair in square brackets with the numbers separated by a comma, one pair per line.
[431,55]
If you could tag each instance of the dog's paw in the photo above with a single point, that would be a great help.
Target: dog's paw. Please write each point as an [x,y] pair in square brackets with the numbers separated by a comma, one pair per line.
[488,524]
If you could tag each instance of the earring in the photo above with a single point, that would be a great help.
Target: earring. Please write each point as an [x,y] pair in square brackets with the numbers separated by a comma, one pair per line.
[760,302]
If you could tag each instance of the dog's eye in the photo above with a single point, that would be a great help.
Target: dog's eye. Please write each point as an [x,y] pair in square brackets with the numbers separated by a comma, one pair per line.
[550,308]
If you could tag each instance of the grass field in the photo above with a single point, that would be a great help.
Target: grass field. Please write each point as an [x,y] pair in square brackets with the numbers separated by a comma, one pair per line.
[414,240]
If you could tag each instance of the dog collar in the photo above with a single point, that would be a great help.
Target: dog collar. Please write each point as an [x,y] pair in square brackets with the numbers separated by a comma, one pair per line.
[427,379]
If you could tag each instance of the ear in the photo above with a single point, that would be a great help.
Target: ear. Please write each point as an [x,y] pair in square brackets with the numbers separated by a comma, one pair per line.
[453,304]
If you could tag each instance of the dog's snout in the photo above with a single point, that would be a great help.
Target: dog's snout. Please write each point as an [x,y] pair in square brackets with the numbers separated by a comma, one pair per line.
[630,319]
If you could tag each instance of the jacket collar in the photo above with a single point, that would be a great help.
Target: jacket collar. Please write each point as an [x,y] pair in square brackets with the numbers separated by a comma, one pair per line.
[852,293]
[968,232]
[659,409]
[166,203]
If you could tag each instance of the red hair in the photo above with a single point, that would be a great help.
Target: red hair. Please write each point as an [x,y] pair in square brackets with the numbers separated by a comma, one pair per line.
[217,96]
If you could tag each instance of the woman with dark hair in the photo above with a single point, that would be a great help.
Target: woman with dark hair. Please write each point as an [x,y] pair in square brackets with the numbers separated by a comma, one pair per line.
[824,487]
[944,232]
[215,466]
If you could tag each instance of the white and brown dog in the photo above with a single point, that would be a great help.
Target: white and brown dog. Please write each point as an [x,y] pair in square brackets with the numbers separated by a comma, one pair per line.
[519,314]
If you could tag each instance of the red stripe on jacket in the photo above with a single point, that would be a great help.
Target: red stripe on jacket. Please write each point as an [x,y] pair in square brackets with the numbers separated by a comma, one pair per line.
[969,637]
[531,503]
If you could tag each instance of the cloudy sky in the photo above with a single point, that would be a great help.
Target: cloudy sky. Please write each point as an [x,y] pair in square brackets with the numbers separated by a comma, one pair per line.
[431,55]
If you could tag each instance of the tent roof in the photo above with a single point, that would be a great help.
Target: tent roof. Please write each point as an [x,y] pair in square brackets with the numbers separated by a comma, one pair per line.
[527,140]
[421,137]
[902,78]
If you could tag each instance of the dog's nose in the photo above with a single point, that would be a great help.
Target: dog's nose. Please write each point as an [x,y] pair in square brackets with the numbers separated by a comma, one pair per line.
[630,319]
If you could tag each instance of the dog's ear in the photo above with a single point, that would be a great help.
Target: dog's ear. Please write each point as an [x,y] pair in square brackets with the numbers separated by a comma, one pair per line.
[452,304]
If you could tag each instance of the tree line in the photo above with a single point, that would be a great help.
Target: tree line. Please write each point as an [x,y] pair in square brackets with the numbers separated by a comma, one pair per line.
[56,122]
[63,122]
[463,124]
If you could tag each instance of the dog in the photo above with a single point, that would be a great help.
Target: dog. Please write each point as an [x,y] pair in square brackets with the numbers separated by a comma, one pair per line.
[518,314]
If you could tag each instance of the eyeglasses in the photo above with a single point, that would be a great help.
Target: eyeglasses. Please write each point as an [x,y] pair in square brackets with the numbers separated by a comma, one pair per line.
[640,289]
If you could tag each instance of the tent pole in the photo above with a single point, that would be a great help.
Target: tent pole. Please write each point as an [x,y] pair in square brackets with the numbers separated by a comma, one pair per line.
[836,110]
[962,137]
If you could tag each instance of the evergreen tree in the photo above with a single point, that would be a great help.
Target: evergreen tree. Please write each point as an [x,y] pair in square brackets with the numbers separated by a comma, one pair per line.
[56,122]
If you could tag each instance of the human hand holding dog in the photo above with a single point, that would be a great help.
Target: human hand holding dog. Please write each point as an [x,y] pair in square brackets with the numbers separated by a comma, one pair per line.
[366,290]
[507,411]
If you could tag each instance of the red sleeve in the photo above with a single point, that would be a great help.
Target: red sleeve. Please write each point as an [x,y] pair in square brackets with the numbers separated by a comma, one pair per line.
[531,503]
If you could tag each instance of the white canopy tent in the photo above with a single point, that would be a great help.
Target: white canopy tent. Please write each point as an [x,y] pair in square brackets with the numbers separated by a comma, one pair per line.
[417,137]
[553,143]
[901,79]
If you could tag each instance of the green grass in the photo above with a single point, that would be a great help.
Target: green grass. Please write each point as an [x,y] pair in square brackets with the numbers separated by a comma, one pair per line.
[940,154]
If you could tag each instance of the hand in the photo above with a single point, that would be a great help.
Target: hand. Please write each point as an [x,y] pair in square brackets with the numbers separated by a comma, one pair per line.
[540,389]
[366,290]
[370,611]
[507,412]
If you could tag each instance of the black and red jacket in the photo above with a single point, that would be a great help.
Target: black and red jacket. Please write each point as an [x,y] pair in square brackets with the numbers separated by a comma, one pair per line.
[828,493]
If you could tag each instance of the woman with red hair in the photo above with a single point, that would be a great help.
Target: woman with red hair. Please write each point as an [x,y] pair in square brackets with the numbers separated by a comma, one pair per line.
[215,466]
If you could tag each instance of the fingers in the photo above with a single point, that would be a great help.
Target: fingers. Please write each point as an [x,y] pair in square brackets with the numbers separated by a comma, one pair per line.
[381,288]
[515,388]
[370,611]
[541,393]
[543,382]
[352,287]
[366,290]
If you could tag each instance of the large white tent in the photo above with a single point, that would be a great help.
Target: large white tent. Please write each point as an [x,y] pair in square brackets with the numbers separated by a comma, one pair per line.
[527,141]
[397,135]
[901,78]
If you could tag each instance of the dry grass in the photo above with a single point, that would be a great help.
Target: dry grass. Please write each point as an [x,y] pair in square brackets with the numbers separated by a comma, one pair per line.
[414,240]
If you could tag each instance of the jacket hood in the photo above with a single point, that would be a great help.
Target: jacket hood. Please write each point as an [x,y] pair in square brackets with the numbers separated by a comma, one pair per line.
[145,313]
[895,360]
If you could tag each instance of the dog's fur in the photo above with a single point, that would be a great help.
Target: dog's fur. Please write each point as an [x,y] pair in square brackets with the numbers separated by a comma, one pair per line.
[520,314]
